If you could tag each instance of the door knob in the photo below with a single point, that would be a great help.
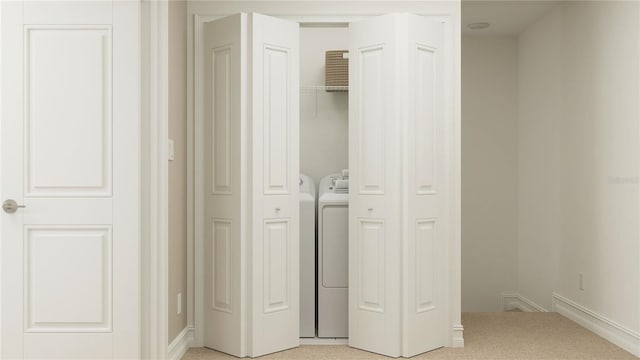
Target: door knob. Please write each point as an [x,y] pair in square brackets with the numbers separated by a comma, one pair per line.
[10,206]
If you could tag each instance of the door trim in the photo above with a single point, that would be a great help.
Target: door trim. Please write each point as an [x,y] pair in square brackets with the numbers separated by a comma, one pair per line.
[155,189]
[195,188]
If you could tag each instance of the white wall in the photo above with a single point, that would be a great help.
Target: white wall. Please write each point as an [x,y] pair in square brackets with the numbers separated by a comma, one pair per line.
[579,152]
[324,126]
[489,170]
[177,167]
[540,157]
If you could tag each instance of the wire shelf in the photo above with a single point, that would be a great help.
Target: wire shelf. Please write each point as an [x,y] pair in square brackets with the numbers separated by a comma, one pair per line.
[312,88]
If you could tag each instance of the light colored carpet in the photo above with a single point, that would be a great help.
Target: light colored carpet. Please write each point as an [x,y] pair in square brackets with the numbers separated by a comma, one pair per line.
[495,336]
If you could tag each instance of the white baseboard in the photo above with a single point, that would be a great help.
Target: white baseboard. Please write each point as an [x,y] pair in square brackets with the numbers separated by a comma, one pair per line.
[601,325]
[511,301]
[324,341]
[181,344]
[457,340]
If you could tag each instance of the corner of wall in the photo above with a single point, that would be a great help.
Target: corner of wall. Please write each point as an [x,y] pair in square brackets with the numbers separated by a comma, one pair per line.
[177,169]
[515,301]
[181,344]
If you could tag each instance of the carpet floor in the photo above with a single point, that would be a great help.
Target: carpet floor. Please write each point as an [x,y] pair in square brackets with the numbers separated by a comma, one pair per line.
[495,336]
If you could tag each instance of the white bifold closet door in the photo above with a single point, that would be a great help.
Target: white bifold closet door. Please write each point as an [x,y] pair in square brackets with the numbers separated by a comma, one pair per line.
[400,113]
[251,162]
[224,115]
[397,158]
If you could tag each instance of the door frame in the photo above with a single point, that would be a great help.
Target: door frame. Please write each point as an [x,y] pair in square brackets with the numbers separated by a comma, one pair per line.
[195,187]
[154,54]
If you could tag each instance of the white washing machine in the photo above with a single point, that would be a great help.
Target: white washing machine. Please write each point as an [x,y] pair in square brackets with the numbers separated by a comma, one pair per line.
[307,257]
[333,255]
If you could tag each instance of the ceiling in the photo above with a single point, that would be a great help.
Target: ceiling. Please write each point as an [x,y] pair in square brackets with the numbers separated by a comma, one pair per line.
[505,17]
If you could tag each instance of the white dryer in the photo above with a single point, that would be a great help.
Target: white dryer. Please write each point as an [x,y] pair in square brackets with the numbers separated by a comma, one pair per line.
[333,255]
[307,257]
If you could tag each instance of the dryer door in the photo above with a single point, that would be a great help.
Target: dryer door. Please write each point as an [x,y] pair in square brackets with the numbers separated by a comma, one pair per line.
[335,246]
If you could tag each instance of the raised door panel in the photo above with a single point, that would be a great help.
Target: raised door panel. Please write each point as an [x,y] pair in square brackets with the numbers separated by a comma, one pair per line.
[68,279]
[371,162]
[425,119]
[276,271]
[222,108]
[222,265]
[426,261]
[68,117]
[276,117]
[371,265]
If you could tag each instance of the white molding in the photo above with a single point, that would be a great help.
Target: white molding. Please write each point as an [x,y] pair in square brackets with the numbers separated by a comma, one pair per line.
[156,263]
[181,344]
[458,336]
[1,174]
[638,252]
[324,341]
[511,301]
[612,331]
[194,66]
[454,282]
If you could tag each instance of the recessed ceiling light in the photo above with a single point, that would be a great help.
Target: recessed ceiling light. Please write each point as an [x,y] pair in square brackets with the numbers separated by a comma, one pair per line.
[478,25]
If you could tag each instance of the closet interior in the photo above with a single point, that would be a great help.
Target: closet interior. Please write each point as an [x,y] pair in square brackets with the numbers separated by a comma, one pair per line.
[324,180]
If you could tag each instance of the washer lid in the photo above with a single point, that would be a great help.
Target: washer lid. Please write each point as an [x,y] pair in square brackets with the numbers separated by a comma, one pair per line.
[327,192]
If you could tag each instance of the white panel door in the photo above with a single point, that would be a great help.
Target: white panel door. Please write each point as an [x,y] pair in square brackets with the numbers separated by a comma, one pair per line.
[274,144]
[251,174]
[397,158]
[426,186]
[375,173]
[224,115]
[70,155]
